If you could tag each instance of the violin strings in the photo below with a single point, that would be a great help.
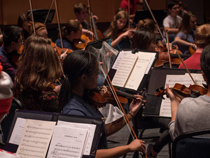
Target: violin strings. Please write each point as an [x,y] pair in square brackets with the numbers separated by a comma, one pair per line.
[118,103]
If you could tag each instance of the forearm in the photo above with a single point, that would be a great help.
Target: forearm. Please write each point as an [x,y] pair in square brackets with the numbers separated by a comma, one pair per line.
[116,41]
[174,108]
[178,40]
[171,30]
[115,126]
[112,152]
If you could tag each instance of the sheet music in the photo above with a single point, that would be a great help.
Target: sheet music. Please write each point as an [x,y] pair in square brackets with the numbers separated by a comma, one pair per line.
[90,135]
[138,71]
[165,108]
[124,69]
[119,58]
[35,139]
[18,131]
[198,78]
[67,142]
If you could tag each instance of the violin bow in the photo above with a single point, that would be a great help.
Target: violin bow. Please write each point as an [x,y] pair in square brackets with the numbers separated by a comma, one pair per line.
[169,55]
[32,16]
[154,19]
[92,22]
[118,102]
[129,10]
[48,12]
[186,67]
[58,19]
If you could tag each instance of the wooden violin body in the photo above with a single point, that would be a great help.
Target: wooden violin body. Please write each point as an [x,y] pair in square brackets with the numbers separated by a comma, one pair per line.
[182,91]
[163,58]
[82,42]
[100,97]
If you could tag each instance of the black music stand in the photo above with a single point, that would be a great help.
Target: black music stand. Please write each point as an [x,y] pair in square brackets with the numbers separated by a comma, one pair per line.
[157,80]
[41,14]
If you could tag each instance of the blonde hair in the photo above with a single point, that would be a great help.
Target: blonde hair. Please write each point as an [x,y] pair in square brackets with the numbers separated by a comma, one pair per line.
[202,35]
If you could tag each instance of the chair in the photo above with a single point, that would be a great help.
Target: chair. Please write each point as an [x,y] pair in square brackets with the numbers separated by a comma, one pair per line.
[192,145]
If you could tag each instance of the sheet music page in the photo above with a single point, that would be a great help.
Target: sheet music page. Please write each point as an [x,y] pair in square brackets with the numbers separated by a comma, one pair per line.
[35,139]
[138,71]
[90,135]
[198,78]
[119,58]
[67,142]
[165,108]
[17,131]
[124,69]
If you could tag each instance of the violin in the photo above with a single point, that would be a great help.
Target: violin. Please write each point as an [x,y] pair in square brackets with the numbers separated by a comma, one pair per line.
[82,42]
[163,57]
[191,50]
[60,51]
[16,55]
[99,97]
[182,91]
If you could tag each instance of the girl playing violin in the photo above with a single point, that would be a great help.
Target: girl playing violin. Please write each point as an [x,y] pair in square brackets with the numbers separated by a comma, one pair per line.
[82,75]
[186,34]
[116,31]
[37,72]
[71,31]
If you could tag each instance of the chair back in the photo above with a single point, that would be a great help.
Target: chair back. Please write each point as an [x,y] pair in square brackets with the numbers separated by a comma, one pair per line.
[192,145]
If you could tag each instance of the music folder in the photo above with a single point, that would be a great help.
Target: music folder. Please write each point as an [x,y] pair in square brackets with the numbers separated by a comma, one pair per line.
[36,133]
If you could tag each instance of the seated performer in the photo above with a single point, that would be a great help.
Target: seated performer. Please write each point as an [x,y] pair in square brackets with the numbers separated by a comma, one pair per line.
[71,31]
[82,75]
[38,70]
[119,37]
[191,114]
[173,20]
[80,11]
[12,38]
[146,40]
[202,39]
[186,34]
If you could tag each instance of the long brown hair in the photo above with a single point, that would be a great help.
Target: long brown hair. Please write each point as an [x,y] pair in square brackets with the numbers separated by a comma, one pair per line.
[113,30]
[185,23]
[39,65]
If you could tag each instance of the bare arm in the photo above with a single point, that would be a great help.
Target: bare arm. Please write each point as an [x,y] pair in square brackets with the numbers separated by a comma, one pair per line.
[120,37]
[178,40]
[136,145]
[171,30]
[115,126]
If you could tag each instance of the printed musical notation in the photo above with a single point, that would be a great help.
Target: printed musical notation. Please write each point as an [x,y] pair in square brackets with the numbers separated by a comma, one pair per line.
[165,109]
[67,142]
[35,138]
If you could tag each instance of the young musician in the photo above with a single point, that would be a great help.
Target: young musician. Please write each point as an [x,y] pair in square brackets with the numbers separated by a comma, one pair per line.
[202,39]
[186,34]
[12,37]
[173,20]
[191,114]
[71,31]
[146,40]
[40,29]
[119,37]
[38,70]
[82,76]
[80,11]
[25,23]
